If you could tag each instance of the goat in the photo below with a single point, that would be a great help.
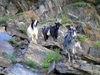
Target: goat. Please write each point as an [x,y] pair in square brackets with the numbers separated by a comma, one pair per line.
[69,42]
[32,31]
[53,31]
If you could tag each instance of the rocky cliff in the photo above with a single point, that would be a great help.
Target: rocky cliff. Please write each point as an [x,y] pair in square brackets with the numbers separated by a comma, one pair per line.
[15,17]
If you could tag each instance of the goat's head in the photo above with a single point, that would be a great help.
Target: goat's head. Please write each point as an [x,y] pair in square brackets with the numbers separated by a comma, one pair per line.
[73,31]
[35,22]
[57,25]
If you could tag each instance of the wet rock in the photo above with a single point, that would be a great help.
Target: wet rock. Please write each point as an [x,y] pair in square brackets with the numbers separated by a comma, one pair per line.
[6,47]
[19,70]
[36,53]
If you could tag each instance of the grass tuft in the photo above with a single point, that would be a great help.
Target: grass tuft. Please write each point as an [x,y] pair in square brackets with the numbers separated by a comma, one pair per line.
[12,58]
[97,44]
[30,63]
[82,38]
[3,19]
[65,20]
[81,3]
[51,57]
[22,30]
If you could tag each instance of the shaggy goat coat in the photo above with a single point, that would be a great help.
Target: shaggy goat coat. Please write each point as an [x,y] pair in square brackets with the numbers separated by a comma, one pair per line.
[32,31]
[53,31]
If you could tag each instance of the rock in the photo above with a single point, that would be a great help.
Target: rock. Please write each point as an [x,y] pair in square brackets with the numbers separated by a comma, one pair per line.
[78,69]
[19,70]
[52,67]
[5,62]
[5,36]
[6,47]
[36,53]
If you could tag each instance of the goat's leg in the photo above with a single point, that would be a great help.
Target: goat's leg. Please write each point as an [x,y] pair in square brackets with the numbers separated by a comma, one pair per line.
[69,57]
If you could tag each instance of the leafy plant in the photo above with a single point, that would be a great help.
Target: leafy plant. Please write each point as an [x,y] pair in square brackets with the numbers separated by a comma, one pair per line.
[51,57]
[12,58]
[30,63]
[22,30]
[82,38]
[81,3]
[65,20]
[3,19]
[97,44]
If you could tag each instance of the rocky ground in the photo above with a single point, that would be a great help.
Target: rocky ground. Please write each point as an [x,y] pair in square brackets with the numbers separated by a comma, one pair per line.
[19,56]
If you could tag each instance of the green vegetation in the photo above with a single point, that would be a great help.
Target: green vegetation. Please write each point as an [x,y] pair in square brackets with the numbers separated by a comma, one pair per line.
[12,58]
[97,44]
[51,57]
[82,38]
[31,64]
[13,41]
[20,14]
[22,30]
[97,1]
[49,20]
[65,20]
[11,16]
[3,19]
[81,3]
[24,20]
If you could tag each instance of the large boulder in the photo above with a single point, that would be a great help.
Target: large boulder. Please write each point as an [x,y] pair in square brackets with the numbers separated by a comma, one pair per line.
[19,70]
[36,53]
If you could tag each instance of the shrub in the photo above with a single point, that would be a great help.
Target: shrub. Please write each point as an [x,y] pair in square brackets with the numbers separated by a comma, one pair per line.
[30,63]
[51,57]
[3,19]
[81,3]
[97,44]
[22,30]
[65,20]
[82,38]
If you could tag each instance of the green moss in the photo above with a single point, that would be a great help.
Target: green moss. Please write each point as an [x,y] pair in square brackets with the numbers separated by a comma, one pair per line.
[50,57]
[49,20]
[65,20]
[22,30]
[3,19]
[31,64]
[12,58]
[82,38]
[11,16]
[81,3]
[97,44]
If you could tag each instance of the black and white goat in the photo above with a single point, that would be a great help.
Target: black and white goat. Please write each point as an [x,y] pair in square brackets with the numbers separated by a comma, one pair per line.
[69,42]
[51,31]
[32,31]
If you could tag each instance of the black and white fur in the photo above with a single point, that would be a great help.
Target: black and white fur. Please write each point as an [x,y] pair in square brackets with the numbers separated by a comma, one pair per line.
[51,31]
[32,31]
[69,42]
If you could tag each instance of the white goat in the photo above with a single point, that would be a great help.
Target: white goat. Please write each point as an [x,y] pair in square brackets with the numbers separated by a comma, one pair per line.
[32,31]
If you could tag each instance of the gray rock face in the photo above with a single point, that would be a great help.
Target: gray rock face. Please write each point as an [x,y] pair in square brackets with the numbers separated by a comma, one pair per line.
[36,53]
[19,69]
[78,69]
[6,47]
[5,36]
